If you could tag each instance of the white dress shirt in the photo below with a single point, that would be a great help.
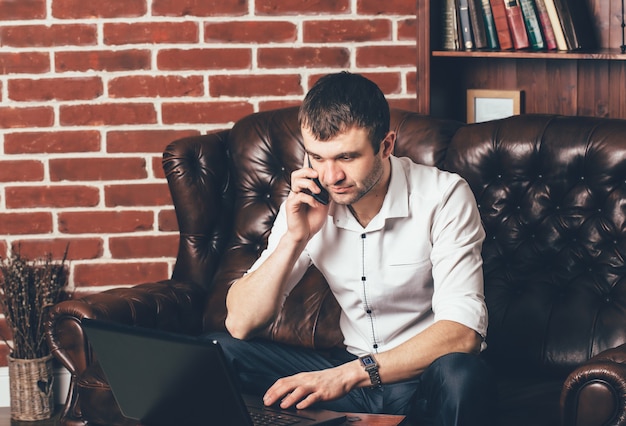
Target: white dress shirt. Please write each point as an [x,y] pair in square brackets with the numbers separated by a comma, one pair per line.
[418,260]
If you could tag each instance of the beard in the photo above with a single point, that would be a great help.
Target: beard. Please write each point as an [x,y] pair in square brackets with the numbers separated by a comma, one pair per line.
[363,187]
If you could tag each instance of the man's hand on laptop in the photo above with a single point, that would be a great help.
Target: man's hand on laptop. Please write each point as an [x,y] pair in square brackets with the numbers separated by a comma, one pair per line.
[305,389]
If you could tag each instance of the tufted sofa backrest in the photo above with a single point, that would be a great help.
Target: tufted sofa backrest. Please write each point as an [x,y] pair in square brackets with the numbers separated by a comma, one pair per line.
[551,192]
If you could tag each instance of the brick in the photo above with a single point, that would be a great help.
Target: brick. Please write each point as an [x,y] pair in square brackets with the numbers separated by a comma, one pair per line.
[17,197]
[22,9]
[199,7]
[389,82]
[26,117]
[270,105]
[5,331]
[48,36]
[76,9]
[345,30]
[153,141]
[4,353]
[24,63]
[250,32]
[107,114]
[25,223]
[386,56]
[255,85]
[62,89]
[52,142]
[77,248]
[409,104]
[105,222]
[411,82]
[21,171]
[103,60]
[143,247]
[167,221]
[156,86]
[149,194]
[157,167]
[204,59]
[299,7]
[288,57]
[97,169]
[204,112]
[151,32]
[387,7]
[117,274]
[407,30]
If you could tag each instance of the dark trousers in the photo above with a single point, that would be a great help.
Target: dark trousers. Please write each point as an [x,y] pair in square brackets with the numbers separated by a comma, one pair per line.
[456,389]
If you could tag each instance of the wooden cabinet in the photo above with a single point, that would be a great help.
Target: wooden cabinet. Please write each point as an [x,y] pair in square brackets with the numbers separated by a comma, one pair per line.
[569,83]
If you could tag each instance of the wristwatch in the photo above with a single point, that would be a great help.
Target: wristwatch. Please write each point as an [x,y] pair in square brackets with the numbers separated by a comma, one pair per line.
[371,366]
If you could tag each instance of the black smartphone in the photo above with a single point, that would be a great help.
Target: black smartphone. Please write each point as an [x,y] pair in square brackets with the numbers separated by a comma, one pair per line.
[322,197]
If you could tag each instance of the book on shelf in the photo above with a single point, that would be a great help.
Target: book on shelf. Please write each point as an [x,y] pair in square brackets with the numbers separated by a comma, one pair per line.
[479,31]
[533,27]
[559,35]
[465,25]
[517,26]
[502,26]
[576,23]
[449,26]
[490,25]
[546,25]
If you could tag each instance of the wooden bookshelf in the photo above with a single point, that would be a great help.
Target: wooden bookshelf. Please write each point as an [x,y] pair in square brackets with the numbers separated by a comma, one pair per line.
[555,82]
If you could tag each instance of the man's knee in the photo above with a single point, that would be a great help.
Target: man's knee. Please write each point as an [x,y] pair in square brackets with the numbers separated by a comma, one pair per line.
[462,372]
[459,389]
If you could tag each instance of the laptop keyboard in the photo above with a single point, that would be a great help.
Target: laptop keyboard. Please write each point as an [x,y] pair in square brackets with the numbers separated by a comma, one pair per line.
[267,418]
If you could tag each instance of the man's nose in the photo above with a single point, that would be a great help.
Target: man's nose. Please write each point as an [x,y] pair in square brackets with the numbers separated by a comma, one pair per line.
[332,173]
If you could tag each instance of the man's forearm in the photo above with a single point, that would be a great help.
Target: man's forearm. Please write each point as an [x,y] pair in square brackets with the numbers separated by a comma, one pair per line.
[412,357]
[253,301]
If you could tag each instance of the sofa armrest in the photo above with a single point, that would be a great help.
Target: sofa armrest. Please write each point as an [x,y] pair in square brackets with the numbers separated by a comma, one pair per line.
[595,393]
[166,305]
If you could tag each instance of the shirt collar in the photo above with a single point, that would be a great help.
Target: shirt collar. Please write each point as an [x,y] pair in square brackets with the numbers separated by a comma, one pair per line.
[395,204]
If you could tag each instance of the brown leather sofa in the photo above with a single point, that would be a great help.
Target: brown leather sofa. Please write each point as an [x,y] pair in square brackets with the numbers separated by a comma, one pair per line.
[552,194]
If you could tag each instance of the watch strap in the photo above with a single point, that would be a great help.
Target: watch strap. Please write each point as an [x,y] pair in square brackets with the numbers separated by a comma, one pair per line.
[371,366]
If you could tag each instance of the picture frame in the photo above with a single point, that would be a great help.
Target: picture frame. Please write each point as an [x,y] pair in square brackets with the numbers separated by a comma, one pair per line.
[485,104]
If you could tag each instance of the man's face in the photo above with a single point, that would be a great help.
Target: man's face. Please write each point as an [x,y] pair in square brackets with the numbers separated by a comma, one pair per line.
[346,164]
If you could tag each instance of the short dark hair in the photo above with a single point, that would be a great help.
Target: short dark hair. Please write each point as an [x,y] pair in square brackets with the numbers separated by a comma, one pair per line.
[338,102]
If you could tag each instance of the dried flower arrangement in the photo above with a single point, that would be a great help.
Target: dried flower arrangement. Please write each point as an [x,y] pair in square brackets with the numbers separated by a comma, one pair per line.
[28,288]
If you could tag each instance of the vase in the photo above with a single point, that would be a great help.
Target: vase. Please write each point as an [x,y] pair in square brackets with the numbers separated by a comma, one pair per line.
[31,388]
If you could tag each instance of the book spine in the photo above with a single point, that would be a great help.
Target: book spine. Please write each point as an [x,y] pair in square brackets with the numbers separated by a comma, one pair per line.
[490,26]
[516,24]
[466,28]
[449,26]
[559,36]
[565,17]
[546,25]
[478,24]
[502,26]
[533,27]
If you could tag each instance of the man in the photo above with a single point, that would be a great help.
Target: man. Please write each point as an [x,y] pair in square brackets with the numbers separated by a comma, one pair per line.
[399,244]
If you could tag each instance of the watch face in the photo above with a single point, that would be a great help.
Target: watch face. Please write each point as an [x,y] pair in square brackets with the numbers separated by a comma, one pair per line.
[368,360]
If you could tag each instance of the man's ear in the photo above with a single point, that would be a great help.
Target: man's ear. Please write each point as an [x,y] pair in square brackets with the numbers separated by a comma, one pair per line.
[387,145]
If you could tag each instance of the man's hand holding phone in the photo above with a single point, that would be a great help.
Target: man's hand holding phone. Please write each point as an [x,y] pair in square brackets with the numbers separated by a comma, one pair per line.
[307,204]
[321,196]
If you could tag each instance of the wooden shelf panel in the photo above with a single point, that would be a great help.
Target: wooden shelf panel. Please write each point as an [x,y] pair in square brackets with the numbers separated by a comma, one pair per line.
[604,54]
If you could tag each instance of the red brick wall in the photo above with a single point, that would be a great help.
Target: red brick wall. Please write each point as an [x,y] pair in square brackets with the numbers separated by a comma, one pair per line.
[92,91]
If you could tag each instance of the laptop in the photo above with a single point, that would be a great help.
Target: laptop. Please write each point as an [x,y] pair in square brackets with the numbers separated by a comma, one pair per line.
[163,379]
